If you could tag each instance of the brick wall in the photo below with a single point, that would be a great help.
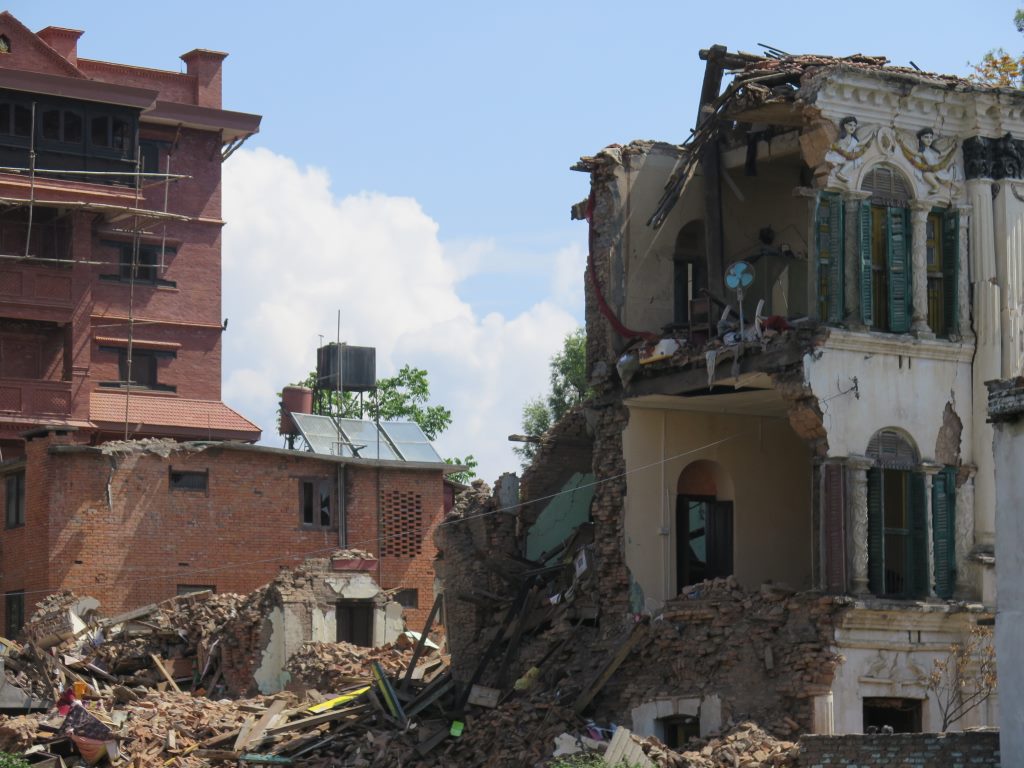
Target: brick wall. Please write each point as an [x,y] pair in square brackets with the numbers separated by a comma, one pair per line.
[109,526]
[949,750]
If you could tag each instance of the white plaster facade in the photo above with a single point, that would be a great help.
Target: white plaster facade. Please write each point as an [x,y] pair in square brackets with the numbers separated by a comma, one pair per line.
[863,381]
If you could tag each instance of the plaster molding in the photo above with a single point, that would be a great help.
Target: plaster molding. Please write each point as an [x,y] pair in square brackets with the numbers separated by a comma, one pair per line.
[879,343]
[913,102]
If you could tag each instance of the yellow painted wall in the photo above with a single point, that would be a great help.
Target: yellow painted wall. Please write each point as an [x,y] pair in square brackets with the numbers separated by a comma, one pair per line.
[770,473]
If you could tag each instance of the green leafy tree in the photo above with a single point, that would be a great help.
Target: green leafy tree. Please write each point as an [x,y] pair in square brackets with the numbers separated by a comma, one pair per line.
[402,397]
[467,474]
[568,380]
[997,67]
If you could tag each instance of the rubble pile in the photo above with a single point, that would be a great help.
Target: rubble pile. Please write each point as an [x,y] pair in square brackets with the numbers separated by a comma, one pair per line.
[765,653]
[745,745]
[336,666]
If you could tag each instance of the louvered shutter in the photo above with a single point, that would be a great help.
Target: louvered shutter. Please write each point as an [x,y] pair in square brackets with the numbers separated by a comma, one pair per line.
[876,533]
[835,528]
[867,312]
[950,271]
[829,227]
[943,531]
[917,555]
[899,271]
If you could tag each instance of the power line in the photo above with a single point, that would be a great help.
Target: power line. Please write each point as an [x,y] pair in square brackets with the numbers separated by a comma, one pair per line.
[379,540]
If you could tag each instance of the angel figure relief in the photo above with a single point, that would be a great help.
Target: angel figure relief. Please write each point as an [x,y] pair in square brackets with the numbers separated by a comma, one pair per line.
[932,166]
[847,153]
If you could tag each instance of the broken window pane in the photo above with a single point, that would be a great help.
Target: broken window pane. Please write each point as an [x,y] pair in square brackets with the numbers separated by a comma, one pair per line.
[325,505]
[307,503]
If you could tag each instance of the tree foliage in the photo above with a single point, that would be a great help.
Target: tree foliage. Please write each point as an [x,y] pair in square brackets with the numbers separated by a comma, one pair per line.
[965,678]
[997,67]
[402,397]
[568,381]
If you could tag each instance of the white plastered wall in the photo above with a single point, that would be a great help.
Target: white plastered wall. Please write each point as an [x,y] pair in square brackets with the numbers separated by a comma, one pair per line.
[886,655]
[1009,457]
[769,470]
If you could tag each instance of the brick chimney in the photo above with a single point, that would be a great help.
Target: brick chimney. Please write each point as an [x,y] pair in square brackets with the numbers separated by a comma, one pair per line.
[63,41]
[205,66]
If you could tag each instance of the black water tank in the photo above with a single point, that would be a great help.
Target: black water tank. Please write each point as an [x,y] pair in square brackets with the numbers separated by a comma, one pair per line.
[358,367]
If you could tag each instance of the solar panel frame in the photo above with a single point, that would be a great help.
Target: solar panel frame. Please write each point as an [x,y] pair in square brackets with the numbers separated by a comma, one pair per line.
[411,442]
[321,434]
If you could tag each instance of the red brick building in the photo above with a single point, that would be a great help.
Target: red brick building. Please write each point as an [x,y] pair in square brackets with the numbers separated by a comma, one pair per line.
[130,523]
[110,286]
[110,330]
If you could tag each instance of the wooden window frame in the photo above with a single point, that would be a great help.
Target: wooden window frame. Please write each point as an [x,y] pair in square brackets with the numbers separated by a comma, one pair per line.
[14,502]
[316,485]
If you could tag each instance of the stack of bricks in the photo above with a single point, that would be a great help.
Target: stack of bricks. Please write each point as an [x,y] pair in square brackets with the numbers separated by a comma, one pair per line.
[475,533]
[607,508]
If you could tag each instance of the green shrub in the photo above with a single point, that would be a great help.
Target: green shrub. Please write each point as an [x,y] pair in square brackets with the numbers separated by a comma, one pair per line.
[12,761]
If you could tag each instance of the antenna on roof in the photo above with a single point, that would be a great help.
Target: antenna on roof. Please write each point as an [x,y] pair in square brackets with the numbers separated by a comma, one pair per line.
[916,67]
[772,52]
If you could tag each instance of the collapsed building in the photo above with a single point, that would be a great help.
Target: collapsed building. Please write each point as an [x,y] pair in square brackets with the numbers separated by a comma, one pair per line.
[789,322]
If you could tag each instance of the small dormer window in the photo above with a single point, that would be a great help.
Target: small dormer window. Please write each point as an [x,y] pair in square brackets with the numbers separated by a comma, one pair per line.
[5,44]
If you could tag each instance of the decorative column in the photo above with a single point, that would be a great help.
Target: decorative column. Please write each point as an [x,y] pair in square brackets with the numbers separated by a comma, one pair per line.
[851,257]
[987,352]
[966,575]
[930,469]
[963,287]
[858,468]
[919,211]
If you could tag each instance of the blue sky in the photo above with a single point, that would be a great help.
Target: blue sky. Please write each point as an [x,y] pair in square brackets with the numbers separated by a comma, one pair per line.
[412,167]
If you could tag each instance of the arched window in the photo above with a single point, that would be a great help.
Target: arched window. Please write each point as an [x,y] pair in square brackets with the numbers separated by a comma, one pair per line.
[897,519]
[885,285]
[703,526]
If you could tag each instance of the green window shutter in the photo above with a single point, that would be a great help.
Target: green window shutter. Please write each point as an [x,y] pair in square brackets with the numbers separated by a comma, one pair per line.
[867,313]
[950,271]
[829,226]
[876,533]
[835,528]
[899,271]
[943,531]
[917,554]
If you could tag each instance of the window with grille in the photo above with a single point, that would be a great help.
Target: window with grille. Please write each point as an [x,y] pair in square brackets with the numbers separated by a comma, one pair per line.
[402,522]
[187,480]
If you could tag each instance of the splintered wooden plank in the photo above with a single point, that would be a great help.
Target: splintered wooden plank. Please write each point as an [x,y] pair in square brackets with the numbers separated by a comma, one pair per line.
[421,642]
[254,735]
[613,664]
[163,671]
[315,720]
[243,733]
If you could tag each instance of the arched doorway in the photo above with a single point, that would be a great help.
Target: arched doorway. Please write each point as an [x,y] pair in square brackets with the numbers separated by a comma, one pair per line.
[703,525]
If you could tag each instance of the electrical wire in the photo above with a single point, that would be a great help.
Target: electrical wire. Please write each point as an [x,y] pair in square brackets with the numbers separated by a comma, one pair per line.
[416,531]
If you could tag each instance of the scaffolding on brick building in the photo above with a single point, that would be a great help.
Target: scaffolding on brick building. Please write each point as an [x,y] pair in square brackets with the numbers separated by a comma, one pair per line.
[139,219]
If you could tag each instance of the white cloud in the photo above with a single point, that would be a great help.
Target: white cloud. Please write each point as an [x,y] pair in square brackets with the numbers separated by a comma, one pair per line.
[294,255]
